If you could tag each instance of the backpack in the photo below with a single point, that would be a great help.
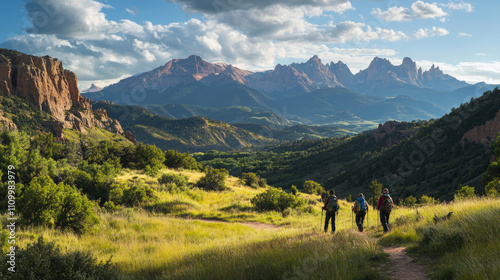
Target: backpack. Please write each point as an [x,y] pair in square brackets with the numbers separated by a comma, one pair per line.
[386,204]
[361,206]
[333,204]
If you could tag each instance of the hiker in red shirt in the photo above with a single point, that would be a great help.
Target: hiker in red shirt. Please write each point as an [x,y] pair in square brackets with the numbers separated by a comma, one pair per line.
[331,206]
[385,205]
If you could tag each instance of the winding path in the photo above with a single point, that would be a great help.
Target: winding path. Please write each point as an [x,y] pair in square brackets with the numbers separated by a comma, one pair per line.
[403,266]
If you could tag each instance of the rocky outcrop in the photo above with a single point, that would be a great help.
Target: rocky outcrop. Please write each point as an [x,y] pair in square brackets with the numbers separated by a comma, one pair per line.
[6,124]
[394,132]
[484,134]
[130,137]
[43,82]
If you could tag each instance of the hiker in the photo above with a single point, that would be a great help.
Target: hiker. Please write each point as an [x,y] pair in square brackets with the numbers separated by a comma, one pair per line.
[360,208]
[385,205]
[331,207]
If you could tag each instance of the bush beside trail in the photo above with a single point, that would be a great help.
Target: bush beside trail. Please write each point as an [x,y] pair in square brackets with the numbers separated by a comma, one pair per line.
[276,200]
[44,260]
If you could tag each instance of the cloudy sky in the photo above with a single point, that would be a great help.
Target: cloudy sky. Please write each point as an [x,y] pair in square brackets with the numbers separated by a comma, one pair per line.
[103,41]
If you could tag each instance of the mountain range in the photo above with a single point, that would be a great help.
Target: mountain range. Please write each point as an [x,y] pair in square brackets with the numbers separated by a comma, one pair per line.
[420,157]
[309,93]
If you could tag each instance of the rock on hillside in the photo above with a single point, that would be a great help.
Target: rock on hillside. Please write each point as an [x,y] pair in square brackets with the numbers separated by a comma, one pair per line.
[43,82]
[6,124]
[484,134]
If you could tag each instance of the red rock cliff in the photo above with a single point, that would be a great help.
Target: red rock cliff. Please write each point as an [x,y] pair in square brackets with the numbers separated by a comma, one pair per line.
[43,82]
[485,133]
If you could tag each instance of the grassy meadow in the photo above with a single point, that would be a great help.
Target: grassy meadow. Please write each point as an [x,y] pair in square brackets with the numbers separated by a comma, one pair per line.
[195,234]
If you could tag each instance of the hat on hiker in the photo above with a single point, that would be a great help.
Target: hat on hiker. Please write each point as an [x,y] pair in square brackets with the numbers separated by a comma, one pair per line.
[361,195]
[386,190]
[332,192]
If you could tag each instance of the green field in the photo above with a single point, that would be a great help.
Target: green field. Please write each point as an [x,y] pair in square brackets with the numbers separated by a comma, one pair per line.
[216,235]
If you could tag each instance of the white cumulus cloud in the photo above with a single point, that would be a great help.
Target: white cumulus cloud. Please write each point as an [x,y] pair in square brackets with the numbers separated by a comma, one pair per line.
[459,6]
[418,10]
[430,32]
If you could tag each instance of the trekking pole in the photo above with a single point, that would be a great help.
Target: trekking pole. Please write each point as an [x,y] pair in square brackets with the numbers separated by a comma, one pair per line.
[377,217]
[352,220]
[321,221]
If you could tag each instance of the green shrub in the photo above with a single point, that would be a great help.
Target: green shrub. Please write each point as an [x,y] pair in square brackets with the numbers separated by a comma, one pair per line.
[410,201]
[252,180]
[262,183]
[148,155]
[493,188]
[42,260]
[214,180]
[294,190]
[40,201]
[171,178]
[110,206]
[465,192]
[151,171]
[427,200]
[75,212]
[44,203]
[276,200]
[132,195]
[312,187]
[176,160]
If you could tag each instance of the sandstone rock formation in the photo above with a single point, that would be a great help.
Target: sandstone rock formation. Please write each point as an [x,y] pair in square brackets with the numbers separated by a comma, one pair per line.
[6,124]
[43,82]
[484,134]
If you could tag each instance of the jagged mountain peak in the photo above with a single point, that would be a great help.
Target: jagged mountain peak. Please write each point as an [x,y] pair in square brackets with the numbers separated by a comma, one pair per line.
[92,88]
[315,59]
[378,62]
[409,64]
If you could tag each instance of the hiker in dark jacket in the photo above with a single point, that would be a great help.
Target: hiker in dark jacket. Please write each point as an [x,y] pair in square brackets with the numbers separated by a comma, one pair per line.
[385,205]
[360,208]
[331,206]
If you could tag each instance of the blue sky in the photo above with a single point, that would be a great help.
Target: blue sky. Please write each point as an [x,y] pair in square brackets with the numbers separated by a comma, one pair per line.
[103,41]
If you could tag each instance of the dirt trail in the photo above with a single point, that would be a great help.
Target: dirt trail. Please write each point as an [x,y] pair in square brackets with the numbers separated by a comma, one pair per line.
[403,265]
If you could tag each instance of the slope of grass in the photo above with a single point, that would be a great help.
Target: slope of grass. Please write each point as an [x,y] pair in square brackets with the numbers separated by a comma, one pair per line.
[466,246]
[207,235]
[183,244]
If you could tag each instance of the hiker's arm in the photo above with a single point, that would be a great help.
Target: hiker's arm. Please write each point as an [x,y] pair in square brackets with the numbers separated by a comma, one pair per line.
[379,203]
[326,203]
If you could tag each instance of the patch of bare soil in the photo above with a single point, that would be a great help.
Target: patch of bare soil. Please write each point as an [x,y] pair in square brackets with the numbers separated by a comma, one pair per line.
[403,266]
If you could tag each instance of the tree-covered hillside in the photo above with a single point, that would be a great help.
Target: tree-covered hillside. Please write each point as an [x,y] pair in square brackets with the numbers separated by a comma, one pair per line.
[191,134]
[415,158]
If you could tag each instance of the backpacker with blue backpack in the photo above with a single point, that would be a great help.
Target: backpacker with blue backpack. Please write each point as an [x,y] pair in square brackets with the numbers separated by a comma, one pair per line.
[361,205]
